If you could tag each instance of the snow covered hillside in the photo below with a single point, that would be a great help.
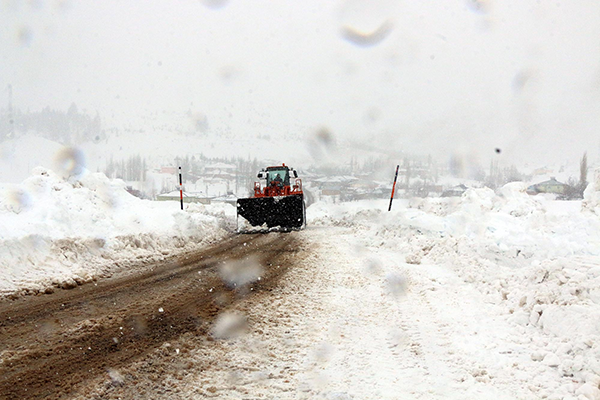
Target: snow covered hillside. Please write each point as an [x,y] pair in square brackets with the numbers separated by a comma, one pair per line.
[59,232]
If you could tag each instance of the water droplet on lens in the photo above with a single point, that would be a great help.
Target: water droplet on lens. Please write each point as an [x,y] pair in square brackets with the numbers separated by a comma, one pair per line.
[229,325]
[373,266]
[17,200]
[321,143]
[198,121]
[323,352]
[116,378]
[366,23]
[367,39]
[479,6]
[396,285]
[215,4]
[70,161]
[25,36]
[241,272]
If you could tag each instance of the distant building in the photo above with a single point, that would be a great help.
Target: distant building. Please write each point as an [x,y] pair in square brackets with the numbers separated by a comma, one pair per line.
[220,170]
[168,170]
[542,171]
[229,198]
[187,197]
[137,193]
[550,186]
[455,191]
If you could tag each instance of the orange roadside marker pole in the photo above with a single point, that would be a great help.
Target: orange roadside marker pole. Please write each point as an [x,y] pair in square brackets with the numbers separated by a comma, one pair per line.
[393,188]
[180,188]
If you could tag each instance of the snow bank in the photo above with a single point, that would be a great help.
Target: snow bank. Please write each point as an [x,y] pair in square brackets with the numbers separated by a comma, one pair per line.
[591,195]
[538,260]
[57,232]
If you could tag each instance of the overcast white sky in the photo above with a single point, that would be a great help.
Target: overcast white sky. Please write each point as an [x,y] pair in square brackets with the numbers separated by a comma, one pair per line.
[446,76]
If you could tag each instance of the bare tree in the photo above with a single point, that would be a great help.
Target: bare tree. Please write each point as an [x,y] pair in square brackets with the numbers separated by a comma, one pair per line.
[583,167]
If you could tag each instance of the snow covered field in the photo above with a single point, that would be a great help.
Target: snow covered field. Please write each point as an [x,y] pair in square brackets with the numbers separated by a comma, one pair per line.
[491,295]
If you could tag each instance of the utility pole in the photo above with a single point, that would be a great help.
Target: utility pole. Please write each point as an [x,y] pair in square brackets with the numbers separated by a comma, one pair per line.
[11,118]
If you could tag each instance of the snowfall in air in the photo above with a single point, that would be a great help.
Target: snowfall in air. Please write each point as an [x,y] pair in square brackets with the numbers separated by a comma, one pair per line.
[490,295]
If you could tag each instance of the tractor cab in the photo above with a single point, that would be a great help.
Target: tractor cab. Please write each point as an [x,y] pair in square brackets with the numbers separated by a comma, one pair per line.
[277,176]
[279,202]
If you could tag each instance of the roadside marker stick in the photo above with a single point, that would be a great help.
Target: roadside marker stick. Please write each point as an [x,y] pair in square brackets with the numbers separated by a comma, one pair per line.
[393,188]
[181,188]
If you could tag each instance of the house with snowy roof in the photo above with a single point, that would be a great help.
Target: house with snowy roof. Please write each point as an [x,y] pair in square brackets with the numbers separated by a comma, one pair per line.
[188,197]
[549,186]
[455,191]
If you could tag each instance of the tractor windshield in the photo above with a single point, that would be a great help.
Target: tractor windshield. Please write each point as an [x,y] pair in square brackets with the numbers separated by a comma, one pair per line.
[280,176]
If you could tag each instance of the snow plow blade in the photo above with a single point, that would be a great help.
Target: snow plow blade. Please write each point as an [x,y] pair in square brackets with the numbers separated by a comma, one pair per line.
[285,212]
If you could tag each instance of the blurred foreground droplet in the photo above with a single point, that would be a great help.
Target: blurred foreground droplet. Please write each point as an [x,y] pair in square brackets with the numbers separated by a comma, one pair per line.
[372,115]
[241,272]
[70,161]
[366,23]
[198,121]
[396,284]
[63,5]
[479,6]
[228,73]
[116,378]
[137,324]
[229,325]
[24,36]
[323,352]
[17,200]
[373,266]
[215,4]
[367,39]
[523,79]
[37,243]
[321,143]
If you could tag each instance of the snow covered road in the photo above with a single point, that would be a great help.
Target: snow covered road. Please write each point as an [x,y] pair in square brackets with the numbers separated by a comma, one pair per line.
[352,321]
[54,344]
[358,323]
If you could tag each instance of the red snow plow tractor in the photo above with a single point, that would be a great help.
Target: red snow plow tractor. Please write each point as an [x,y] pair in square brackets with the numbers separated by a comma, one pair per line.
[278,204]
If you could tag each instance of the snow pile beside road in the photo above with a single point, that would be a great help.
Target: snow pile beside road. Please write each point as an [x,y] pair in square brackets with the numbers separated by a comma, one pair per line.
[591,195]
[537,260]
[57,232]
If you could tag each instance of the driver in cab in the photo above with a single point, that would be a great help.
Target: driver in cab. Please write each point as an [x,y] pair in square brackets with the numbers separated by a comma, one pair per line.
[277,181]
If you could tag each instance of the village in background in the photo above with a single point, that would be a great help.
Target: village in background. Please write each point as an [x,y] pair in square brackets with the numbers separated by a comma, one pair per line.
[208,178]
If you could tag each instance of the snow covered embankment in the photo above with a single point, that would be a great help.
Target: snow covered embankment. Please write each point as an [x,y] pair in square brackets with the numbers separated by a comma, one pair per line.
[538,261]
[58,232]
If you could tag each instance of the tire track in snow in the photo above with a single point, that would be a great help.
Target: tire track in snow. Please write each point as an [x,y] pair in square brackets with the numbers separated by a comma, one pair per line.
[56,343]
[438,340]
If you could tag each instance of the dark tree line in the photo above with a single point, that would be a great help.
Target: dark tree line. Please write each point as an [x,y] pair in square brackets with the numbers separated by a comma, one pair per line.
[68,127]
[576,188]
[132,169]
